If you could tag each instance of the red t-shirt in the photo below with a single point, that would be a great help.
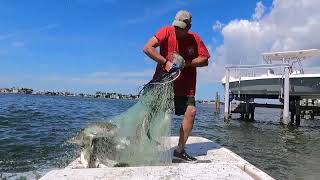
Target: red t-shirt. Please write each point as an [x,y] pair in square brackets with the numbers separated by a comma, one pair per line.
[189,47]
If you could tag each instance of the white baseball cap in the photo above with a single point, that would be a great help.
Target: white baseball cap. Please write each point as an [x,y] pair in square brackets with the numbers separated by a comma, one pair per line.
[180,17]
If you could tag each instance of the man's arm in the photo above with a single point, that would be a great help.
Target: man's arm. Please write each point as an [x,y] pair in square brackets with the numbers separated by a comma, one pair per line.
[150,50]
[203,56]
[200,61]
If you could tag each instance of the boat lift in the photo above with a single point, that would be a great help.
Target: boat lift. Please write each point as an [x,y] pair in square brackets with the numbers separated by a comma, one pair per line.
[286,67]
[285,60]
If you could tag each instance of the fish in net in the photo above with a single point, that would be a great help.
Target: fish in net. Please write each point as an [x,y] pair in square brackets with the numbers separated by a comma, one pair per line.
[138,136]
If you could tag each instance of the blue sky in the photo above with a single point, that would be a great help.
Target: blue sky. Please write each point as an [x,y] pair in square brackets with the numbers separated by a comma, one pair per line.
[91,45]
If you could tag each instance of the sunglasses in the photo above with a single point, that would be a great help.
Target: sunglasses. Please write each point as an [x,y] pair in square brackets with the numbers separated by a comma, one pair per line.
[188,23]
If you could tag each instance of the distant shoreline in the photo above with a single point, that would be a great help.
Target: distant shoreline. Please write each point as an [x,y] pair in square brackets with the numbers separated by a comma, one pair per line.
[98,94]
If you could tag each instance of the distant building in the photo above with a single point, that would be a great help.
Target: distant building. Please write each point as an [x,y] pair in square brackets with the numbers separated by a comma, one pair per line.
[25,91]
[14,90]
[114,96]
[98,94]
[5,90]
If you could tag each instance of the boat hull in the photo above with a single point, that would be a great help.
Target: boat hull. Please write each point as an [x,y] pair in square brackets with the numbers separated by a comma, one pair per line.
[300,86]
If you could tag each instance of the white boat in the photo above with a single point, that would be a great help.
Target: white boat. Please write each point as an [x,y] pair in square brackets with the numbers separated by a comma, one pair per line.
[214,162]
[270,84]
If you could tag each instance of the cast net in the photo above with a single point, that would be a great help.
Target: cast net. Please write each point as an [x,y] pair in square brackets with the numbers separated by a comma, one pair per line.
[137,136]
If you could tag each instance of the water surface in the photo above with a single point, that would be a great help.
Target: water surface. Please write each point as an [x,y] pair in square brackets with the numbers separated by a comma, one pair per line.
[34,131]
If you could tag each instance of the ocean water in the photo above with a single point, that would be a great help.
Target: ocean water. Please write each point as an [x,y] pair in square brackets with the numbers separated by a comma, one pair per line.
[34,131]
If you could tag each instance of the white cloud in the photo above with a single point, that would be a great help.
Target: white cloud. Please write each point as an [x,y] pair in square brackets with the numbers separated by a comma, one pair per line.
[259,11]
[105,78]
[142,74]
[100,74]
[290,25]
[147,73]
[31,30]
[46,27]
[217,26]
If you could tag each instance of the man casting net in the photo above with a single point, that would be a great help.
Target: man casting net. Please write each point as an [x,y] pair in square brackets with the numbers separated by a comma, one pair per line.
[137,136]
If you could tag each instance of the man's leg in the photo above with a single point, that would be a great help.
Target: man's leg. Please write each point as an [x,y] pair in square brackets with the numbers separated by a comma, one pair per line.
[184,106]
[186,126]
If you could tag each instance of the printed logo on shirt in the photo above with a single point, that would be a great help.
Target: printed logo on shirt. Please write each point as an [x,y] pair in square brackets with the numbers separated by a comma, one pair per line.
[190,51]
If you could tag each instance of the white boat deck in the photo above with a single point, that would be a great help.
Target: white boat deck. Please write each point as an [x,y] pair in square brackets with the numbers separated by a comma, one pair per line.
[224,164]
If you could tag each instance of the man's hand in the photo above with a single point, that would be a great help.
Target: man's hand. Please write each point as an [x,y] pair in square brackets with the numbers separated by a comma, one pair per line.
[168,66]
[171,66]
[200,61]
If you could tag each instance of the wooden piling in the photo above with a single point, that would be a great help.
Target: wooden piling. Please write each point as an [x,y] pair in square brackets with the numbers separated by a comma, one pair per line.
[217,102]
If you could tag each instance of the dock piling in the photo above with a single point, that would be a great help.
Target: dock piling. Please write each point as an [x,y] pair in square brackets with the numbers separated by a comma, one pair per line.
[285,119]
[226,97]
[292,109]
[252,116]
[217,102]
[246,116]
[298,112]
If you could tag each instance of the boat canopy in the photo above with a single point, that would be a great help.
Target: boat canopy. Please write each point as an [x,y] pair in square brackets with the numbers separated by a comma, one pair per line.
[291,55]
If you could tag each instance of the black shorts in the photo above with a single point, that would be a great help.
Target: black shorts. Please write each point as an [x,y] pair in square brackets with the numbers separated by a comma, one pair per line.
[182,102]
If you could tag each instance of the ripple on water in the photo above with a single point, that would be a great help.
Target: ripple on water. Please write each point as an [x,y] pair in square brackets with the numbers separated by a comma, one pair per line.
[34,131]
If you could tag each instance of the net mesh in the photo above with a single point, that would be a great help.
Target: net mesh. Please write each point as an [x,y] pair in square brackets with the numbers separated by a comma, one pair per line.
[136,137]
[146,124]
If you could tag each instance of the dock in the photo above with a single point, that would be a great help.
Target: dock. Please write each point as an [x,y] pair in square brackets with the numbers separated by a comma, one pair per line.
[214,162]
